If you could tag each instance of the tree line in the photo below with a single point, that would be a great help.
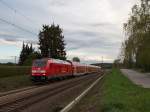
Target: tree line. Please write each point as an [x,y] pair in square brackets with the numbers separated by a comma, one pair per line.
[51,44]
[136,47]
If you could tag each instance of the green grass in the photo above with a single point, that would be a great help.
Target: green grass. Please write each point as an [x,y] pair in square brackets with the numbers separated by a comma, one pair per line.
[15,82]
[7,71]
[14,77]
[121,95]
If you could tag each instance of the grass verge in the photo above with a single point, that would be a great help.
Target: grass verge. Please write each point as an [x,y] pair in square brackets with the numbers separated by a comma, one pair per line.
[15,82]
[115,93]
[14,77]
[121,95]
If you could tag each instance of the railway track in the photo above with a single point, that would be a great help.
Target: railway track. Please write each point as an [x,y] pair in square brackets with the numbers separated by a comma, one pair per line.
[16,91]
[27,88]
[14,104]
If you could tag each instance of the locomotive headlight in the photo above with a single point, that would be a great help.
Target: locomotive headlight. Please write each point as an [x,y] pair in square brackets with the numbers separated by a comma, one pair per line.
[42,71]
[38,71]
[33,71]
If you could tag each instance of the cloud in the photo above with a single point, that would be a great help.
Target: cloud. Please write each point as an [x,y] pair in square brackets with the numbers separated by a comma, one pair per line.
[92,28]
[9,42]
[17,41]
[100,24]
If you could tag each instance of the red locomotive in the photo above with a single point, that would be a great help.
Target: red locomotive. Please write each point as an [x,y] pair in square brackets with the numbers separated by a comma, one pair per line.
[43,69]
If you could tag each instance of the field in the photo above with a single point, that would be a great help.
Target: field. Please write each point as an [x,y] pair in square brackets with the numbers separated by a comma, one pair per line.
[115,93]
[8,71]
[14,77]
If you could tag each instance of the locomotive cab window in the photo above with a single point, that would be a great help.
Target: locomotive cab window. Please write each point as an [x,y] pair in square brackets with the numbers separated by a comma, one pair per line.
[39,63]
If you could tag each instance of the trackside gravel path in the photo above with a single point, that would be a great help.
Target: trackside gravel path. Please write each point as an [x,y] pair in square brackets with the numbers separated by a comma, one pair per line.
[142,79]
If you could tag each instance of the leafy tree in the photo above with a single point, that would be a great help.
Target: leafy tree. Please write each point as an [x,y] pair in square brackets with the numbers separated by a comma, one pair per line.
[25,52]
[31,57]
[117,63]
[31,49]
[75,59]
[51,42]
[135,49]
[22,57]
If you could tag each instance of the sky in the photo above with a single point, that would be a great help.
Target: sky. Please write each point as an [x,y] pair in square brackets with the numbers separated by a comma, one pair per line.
[92,28]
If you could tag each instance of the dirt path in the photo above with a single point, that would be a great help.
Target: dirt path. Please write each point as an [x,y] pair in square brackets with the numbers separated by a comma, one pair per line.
[142,79]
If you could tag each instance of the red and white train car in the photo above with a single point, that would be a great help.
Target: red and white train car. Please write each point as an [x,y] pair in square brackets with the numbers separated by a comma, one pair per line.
[43,69]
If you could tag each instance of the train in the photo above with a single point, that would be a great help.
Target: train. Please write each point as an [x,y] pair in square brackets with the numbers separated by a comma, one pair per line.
[48,68]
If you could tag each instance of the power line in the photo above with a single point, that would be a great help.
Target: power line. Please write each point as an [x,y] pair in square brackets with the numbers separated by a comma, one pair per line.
[16,11]
[7,5]
[19,27]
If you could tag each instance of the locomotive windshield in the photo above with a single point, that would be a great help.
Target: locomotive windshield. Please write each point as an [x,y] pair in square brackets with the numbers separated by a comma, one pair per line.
[39,63]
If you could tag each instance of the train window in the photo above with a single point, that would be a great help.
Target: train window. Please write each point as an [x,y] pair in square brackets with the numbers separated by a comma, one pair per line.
[39,63]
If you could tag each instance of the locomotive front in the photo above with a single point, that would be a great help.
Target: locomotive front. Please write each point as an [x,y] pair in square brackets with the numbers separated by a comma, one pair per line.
[39,70]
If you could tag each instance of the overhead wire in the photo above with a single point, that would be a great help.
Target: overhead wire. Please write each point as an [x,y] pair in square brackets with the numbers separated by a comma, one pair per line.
[17,26]
[16,11]
[13,24]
